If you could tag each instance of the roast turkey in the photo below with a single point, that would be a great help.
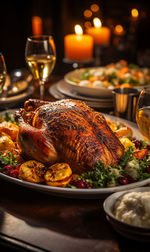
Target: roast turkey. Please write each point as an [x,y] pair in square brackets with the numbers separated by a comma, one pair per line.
[66,131]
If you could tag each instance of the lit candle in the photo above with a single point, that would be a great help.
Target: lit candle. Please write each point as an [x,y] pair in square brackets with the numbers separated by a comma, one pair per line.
[100,33]
[78,46]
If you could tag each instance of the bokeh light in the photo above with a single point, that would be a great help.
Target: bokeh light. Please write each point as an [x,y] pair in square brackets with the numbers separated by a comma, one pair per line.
[94,7]
[134,13]
[87,24]
[119,30]
[87,13]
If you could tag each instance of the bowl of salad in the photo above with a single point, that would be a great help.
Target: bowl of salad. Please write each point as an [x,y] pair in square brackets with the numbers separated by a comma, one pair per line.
[100,81]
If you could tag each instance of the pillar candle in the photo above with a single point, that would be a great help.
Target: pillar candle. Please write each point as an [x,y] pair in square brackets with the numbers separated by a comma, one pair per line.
[100,34]
[78,46]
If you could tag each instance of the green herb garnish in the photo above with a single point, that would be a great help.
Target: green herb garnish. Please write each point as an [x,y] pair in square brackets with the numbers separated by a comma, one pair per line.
[8,117]
[85,75]
[8,158]
[133,66]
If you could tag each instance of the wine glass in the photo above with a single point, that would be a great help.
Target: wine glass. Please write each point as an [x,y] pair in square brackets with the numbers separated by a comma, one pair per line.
[3,73]
[40,55]
[143,113]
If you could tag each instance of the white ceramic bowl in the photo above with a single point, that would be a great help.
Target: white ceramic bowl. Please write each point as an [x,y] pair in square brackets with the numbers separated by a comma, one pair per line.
[132,232]
[85,90]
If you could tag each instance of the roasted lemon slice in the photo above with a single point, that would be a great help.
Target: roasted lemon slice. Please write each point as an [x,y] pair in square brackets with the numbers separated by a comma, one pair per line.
[10,128]
[58,174]
[124,132]
[111,125]
[126,142]
[32,171]
[5,142]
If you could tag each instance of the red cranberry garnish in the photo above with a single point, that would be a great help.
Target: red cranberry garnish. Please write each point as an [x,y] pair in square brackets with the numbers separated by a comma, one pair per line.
[123,180]
[148,147]
[89,186]
[130,179]
[14,173]
[81,184]
[137,144]
[148,169]
[18,167]
[7,169]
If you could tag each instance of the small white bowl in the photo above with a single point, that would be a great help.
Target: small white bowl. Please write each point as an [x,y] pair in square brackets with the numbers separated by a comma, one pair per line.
[132,232]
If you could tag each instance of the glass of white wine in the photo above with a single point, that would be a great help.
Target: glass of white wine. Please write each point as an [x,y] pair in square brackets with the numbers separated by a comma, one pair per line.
[40,55]
[143,113]
[3,73]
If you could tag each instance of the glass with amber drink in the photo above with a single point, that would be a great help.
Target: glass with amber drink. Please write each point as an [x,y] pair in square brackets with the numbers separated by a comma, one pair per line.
[143,113]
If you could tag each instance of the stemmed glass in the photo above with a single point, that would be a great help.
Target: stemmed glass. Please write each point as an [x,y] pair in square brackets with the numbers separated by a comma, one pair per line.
[143,113]
[40,55]
[3,73]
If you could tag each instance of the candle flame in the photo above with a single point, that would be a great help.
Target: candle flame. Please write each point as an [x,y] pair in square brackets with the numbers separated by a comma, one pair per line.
[78,30]
[134,13]
[97,22]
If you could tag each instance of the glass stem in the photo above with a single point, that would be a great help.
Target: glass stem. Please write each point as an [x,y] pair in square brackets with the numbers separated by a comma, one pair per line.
[41,90]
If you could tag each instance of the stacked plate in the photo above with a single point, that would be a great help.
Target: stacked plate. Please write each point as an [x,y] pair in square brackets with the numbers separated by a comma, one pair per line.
[62,90]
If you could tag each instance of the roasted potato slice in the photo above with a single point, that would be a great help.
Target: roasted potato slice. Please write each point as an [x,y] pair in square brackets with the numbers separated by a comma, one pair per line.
[140,154]
[10,128]
[58,174]
[32,171]
[6,142]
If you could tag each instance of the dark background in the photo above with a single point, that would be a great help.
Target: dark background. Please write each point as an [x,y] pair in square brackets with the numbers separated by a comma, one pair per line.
[59,18]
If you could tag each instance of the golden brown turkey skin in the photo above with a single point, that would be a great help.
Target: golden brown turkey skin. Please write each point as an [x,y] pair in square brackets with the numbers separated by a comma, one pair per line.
[67,131]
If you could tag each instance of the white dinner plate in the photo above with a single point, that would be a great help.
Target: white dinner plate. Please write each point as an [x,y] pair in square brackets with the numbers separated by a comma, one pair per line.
[82,193]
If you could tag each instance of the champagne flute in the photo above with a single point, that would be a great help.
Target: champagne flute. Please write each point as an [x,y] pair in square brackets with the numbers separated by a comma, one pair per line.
[40,55]
[3,73]
[143,113]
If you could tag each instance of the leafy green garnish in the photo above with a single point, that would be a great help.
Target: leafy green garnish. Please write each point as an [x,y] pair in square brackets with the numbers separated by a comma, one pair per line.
[143,144]
[8,117]
[142,171]
[8,158]
[70,186]
[100,176]
[133,66]
[121,81]
[85,75]
[126,157]
[132,81]
[112,77]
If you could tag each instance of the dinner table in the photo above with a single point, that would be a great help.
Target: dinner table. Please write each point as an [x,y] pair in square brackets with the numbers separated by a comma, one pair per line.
[32,220]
